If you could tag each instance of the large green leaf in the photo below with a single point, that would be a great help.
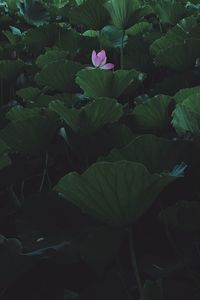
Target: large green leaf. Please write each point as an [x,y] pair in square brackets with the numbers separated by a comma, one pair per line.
[173,82]
[118,193]
[120,135]
[137,55]
[185,121]
[33,12]
[192,102]
[36,39]
[69,40]
[50,56]
[10,69]
[29,134]
[182,39]
[169,12]
[55,5]
[122,12]
[149,150]
[179,57]
[14,35]
[153,114]
[34,97]
[186,116]
[139,28]
[185,28]
[18,113]
[162,44]
[102,83]
[112,37]
[90,13]
[91,117]
[29,93]
[59,75]
[183,94]
[12,4]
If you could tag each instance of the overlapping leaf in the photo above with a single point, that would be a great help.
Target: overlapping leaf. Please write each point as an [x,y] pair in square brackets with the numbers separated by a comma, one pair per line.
[29,132]
[91,117]
[10,69]
[46,35]
[149,150]
[112,37]
[69,40]
[90,13]
[102,83]
[186,116]
[50,56]
[183,94]
[33,12]
[169,12]
[179,48]
[153,114]
[59,75]
[122,12]
[118,193]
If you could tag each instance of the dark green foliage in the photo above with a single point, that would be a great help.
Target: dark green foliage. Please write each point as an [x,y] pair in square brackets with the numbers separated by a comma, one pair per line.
[99,164]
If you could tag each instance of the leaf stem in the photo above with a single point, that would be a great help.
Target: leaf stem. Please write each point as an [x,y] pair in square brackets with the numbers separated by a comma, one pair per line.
[44,172]
[100,40]
[134,261]
[2,93]
[122,51]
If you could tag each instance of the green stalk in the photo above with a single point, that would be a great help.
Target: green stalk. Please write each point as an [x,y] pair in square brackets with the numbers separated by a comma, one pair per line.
[100,41]
[134,261]
[45,172]
[160,27]
[122,51]
[2,93]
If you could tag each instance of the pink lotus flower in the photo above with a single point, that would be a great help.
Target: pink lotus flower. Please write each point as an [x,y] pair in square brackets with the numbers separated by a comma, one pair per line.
[99,61]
